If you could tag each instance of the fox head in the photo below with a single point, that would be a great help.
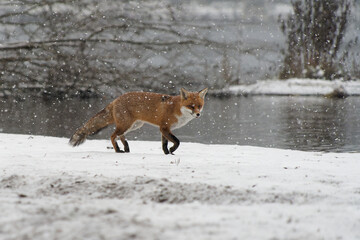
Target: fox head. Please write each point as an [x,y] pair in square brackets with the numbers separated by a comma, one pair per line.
[193,102]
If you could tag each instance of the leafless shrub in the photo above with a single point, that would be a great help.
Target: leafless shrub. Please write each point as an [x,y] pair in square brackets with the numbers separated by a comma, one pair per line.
[315,33]
[65,48]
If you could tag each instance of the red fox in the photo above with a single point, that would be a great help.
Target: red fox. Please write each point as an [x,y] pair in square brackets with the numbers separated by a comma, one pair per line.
[131,110]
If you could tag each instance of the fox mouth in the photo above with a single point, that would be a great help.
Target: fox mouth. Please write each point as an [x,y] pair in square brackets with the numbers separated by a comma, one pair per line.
[196,115]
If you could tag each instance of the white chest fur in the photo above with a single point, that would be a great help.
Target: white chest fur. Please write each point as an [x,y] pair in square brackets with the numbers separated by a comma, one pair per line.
[183,119]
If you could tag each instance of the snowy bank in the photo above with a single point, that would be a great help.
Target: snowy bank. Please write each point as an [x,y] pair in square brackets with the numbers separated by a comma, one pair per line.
[303,87]
[49,190]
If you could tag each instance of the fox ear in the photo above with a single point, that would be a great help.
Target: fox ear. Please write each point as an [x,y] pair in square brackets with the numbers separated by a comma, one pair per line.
[203,92]
[184,93]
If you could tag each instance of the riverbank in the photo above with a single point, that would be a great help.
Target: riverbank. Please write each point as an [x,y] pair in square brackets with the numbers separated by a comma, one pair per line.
[50,190]
[295,87]
[275,87]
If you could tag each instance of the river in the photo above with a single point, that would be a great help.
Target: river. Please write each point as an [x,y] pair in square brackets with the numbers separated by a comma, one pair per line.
[302,123]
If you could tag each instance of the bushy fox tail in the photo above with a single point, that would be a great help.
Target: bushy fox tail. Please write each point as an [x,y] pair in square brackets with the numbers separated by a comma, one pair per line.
[98,122]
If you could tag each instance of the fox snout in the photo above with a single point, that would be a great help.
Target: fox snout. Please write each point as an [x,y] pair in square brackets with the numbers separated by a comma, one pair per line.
[193,112]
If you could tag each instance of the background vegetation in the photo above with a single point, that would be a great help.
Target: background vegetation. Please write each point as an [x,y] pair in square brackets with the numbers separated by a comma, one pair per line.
[54,48]
[315,33]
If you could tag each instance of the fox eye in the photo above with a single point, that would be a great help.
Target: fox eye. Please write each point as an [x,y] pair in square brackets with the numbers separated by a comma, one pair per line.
[199,106]
[191,106]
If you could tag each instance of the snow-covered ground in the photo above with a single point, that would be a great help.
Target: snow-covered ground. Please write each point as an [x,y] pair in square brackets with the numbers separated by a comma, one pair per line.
[303,87]
[49,190]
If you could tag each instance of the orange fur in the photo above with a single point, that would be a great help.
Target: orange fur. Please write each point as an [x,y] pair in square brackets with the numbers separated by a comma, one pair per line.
[131,110]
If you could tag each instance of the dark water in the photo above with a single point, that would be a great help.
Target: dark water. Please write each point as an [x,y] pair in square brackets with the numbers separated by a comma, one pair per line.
[303,123]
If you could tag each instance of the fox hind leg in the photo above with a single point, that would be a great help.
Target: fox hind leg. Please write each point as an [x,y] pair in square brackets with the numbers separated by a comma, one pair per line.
[125,143]
[118,132]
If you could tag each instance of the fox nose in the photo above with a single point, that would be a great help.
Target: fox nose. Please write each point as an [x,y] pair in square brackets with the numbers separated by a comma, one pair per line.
[198,115]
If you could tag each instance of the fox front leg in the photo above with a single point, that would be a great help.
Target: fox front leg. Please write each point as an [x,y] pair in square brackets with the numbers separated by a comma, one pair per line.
[169,137]
[176,142]
[164,142]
